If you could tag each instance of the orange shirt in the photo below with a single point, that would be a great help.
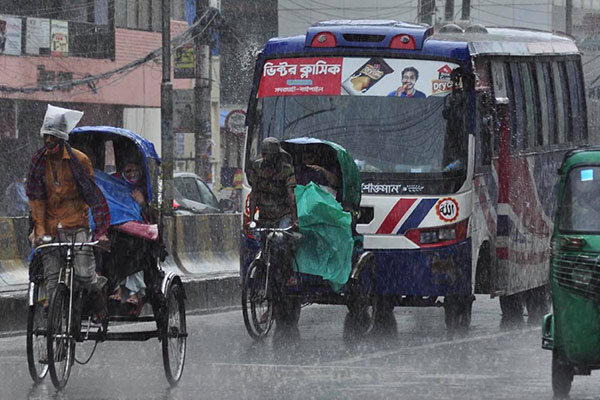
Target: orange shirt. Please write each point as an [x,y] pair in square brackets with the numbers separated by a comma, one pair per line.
[63,202]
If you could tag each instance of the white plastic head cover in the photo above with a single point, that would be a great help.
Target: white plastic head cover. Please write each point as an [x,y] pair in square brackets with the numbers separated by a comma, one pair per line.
[60,121]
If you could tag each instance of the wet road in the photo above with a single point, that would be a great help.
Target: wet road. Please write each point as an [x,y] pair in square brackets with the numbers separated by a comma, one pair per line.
[418,360]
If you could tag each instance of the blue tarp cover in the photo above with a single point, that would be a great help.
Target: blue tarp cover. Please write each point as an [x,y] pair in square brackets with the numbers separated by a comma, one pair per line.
[117,192]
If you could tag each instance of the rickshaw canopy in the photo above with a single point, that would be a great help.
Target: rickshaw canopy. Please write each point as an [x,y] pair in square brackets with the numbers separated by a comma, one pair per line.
[351,181]
[90,137]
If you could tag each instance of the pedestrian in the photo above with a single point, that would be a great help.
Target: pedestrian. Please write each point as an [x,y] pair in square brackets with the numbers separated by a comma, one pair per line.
[61,190]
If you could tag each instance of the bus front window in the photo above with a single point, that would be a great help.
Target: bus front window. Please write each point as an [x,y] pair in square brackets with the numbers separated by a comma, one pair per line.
[384,134]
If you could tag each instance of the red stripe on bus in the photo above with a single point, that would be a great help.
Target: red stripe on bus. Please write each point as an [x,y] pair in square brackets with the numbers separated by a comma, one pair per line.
[395,215]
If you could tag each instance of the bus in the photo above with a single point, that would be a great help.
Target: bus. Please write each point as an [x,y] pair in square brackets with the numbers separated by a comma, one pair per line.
[458,135]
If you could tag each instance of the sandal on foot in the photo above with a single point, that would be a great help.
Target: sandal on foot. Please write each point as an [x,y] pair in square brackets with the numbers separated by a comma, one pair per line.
[116,296]
[137,304]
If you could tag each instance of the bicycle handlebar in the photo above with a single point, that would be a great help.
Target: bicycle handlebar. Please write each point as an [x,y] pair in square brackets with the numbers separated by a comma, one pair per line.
[67,244]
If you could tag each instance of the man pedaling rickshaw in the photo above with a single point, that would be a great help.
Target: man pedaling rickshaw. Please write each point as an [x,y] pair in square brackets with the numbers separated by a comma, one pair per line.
[273,182]
[61,189]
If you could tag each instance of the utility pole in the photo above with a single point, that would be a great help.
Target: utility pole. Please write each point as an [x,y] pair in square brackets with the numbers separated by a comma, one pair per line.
[449,10]
[426,8]
[466,10]
[569,16]
[166,111]
[202,89]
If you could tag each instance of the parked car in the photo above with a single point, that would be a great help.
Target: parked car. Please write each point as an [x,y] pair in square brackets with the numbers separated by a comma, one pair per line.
[191,195]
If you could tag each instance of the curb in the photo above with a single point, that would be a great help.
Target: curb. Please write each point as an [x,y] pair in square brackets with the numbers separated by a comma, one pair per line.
[204,294]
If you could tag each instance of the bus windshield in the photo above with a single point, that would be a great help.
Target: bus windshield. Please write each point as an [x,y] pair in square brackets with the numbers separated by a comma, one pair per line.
[388,113]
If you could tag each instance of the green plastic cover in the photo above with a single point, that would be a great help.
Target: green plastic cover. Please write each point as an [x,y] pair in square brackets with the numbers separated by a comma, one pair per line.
[326,245]
[352,181]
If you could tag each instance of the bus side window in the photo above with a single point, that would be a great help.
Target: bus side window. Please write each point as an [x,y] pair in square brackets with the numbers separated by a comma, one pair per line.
[559,98]
[517,107]
[552,110]
[531,118]
[576,107]
[542,95]
[485,117]
[500,94]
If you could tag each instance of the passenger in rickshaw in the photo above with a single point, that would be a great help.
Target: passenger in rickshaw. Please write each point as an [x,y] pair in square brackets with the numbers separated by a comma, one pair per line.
[132,286]
[314,168]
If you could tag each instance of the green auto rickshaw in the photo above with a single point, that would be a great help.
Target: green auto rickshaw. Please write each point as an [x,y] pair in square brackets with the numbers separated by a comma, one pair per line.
[572,332]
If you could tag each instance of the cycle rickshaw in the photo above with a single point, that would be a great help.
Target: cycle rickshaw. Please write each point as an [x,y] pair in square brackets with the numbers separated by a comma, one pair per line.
[52,333]
[330,264]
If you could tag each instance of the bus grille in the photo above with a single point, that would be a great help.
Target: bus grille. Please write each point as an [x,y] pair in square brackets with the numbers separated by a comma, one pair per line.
[579,273]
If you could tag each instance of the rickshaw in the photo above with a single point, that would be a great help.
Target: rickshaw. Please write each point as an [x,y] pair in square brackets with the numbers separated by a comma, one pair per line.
[52,334]
[330,265]
[572,331]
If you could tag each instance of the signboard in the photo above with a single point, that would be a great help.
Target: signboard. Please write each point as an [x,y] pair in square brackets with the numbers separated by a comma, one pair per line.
[38,36]
[355,76]
[59,38]
[235,122]
[183,61]
[10,35]
[183,106]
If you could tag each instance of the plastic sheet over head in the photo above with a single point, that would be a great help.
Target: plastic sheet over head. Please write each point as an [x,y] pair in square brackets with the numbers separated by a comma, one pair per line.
[60,121]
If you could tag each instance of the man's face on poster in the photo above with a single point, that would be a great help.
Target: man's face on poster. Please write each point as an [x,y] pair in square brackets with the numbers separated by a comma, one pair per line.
[409,78]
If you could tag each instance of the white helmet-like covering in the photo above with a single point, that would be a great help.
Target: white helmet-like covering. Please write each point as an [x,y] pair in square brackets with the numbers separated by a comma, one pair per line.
[60,122]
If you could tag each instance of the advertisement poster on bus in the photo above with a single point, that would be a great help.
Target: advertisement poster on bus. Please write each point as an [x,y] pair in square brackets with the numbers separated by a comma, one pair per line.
[355,76]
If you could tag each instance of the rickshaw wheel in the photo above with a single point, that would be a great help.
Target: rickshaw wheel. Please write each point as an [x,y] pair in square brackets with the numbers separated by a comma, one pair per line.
[257,308]
[562,374]
[60,342]
[37,344]
[173,334]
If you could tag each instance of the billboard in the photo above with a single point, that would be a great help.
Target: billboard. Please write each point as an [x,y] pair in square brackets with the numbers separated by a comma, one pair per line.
[355,76]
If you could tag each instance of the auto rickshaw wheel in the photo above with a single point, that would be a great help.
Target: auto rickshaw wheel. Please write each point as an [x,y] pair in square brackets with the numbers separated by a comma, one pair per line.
[457,311]
[562,374]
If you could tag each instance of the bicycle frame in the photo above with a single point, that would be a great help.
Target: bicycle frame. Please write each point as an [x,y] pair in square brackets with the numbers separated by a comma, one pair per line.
[266,248]
[65,273]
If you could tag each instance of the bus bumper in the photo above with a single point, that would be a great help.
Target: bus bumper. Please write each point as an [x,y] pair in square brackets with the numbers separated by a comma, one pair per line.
[425,272]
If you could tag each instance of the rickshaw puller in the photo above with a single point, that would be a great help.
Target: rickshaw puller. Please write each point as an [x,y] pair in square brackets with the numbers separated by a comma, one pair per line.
[61,189]
[273,182]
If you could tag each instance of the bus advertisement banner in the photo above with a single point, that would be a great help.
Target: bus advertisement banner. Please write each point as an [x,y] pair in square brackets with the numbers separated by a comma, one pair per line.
[355,76]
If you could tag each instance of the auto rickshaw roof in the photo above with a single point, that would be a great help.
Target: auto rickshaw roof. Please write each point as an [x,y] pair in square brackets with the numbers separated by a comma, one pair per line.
[351,181]
[580,155]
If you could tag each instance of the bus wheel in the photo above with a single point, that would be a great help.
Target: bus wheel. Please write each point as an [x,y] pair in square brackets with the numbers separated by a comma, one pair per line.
[512,307]
[562,375]
[457,311]
[538,302]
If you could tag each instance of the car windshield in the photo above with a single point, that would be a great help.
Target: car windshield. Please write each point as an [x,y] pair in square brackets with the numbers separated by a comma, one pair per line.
[579,209]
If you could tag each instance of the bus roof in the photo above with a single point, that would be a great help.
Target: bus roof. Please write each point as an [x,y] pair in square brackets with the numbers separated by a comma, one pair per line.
[376,35]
